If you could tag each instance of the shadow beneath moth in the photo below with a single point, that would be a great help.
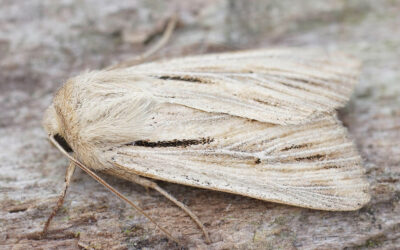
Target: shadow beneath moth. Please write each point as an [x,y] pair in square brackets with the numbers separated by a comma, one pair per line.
[258,123]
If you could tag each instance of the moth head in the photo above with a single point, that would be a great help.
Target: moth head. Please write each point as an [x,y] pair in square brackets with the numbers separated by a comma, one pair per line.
[98,109]
[52,126]
[50,122]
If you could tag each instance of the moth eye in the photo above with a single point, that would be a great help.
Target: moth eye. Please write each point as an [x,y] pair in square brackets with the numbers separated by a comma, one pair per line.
[63,143]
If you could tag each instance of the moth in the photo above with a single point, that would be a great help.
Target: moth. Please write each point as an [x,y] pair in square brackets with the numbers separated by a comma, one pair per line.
[258,123]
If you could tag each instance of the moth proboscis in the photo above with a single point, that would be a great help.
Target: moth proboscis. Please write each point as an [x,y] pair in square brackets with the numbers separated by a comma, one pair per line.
[259,123]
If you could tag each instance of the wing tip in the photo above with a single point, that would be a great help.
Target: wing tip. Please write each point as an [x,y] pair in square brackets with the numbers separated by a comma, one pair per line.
[355,201]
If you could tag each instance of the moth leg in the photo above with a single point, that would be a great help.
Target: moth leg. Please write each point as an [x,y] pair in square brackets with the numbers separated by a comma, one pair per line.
[186,209]
[68,177]
[146,183]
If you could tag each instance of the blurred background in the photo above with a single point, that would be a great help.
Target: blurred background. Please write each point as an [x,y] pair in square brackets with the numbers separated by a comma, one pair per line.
[44,42]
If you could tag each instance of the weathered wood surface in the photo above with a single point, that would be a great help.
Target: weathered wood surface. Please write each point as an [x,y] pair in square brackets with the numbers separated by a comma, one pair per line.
[42,43]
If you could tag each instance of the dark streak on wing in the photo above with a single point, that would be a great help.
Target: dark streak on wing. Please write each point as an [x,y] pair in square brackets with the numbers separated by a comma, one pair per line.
[264,102]
[295,147]
[173,143]
[312,157]
[184,78]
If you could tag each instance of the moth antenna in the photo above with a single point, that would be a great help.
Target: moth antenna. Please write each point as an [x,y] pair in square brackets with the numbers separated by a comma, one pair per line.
[153,49]
[109,187]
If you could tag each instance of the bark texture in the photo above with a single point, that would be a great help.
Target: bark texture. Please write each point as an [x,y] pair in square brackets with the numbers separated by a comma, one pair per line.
[43,42]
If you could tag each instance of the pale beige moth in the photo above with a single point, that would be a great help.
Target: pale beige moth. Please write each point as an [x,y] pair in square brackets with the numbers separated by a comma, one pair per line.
[259,123]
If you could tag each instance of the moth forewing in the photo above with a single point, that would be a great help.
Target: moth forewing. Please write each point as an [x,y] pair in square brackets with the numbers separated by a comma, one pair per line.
[256,123]
[284,164]
[286,86]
